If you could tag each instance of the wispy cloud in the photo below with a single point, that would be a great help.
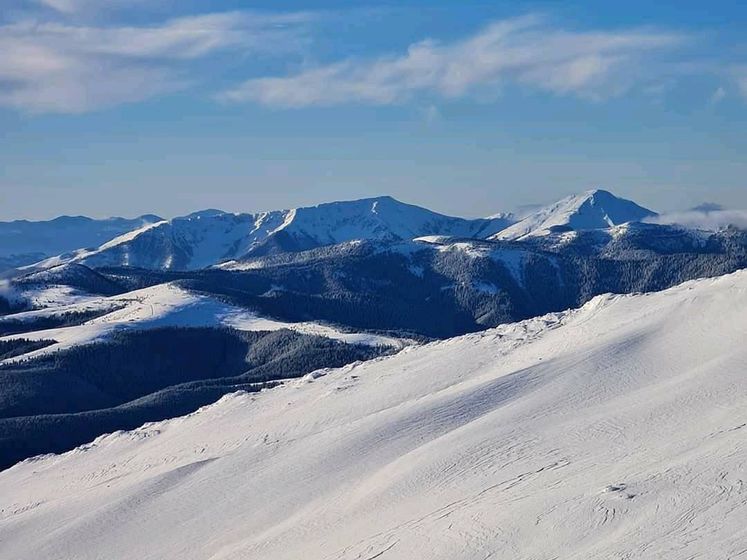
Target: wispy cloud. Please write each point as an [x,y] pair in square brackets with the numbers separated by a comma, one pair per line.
[64,67]
[525,51]
[64,6]
[708,217]
[78,6]
[68,56]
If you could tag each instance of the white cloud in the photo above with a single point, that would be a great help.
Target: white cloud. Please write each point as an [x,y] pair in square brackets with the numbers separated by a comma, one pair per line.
[525,51]
[64,67]
[77,6]
[65,6]
[708,220]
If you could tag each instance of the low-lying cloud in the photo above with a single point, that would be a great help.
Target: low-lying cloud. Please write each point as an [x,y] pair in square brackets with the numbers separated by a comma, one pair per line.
[704,219]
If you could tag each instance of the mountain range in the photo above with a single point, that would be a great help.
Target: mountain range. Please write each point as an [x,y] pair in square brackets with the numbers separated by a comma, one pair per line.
[24,242]
[212,237]
[334,282]
[370,379]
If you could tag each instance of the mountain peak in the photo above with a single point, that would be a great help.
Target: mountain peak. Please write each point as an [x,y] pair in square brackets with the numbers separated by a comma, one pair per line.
[599,191]
[707,207]
[358,203]
[592,209]
[594,196]
[207,213]
[150,218]
[377,218]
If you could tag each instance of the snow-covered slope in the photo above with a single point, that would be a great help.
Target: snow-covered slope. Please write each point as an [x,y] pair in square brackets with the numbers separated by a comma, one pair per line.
[163,305]
[595,209]
[23,242]
[614,431]
[383,218]
[210,237]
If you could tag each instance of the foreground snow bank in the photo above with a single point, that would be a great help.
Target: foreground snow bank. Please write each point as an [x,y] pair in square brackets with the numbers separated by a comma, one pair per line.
[617,430]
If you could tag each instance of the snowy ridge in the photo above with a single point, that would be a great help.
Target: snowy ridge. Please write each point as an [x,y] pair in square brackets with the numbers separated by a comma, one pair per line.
[594,209]
[383,218]
[212,237]
[80,255]
[130,235]
[23,242]
[616,430]
[166,305]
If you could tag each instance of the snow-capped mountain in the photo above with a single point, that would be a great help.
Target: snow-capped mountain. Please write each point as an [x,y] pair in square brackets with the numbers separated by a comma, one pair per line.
[210,237]
[594,209]
[612,431]
[382,218]
[434,286]
[24,242]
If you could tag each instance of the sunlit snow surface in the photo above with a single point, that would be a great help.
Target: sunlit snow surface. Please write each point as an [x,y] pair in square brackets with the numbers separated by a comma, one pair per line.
[166,305]
[615,431]
[594,209]
[212,237]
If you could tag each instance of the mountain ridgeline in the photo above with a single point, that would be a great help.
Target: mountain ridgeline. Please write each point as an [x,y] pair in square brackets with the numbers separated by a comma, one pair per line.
[170,316]
[23,242]
[210,237]
[444,287]
[378,264]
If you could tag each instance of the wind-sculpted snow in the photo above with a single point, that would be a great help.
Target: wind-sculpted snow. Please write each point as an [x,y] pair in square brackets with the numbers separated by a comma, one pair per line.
[53,403]
[614,431]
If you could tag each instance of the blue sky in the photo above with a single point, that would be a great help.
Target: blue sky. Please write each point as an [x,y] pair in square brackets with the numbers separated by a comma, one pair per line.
[470,108]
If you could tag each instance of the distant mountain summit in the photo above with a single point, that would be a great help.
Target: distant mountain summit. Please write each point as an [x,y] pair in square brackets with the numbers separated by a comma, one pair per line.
[24,242]
[707,207]
[379,219]
[210,237]
[594,209]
